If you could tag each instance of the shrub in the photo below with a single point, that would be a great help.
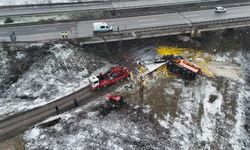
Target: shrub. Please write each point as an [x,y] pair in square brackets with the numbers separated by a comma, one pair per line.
[8,20]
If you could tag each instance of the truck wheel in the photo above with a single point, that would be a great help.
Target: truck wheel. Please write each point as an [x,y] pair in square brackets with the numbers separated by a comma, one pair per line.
[189,75]
[173,68]
[179,57]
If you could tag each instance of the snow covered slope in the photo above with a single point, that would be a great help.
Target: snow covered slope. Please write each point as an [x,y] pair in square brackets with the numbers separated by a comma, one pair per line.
[24,2]
[55,72]
[206,114]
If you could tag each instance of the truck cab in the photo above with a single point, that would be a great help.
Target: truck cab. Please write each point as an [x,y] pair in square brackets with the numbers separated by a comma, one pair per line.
[102,27]
[94,81]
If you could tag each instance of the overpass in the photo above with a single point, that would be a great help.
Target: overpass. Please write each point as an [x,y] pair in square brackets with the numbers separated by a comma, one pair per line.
[101,9]
[193,22]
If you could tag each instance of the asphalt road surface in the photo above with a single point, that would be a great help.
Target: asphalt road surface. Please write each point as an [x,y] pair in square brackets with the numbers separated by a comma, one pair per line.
[85,29]
[82,7]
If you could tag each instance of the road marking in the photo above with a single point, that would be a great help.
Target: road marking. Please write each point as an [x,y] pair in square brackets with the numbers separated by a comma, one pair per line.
[46,29]
[148,20]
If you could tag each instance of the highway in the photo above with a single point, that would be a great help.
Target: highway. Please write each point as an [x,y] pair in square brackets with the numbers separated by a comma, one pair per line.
[85,29]
[94,6]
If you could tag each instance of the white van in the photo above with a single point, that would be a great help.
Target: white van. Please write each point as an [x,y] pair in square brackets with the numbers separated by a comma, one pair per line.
[102,27]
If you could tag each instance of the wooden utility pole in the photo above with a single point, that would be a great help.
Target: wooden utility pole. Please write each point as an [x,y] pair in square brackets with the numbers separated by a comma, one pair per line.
[141,92]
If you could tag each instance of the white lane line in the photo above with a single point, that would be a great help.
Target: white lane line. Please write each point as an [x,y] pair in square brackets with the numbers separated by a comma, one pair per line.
[46,29]
[148,20]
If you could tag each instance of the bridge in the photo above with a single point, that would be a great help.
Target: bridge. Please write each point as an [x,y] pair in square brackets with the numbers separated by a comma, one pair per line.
[193,22]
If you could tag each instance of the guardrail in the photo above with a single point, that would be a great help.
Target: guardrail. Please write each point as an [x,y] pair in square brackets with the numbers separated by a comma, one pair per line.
[222,21]
[178,3]
[55,4]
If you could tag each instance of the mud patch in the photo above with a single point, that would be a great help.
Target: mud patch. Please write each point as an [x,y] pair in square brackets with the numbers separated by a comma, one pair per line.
[225,69]
[15,143]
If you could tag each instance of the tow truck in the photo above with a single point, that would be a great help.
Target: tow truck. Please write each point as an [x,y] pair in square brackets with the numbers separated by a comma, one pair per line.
[179,66]
[115,74]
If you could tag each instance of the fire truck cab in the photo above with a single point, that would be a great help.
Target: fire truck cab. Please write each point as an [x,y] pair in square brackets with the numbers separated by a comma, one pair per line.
[115,74]
[94,81]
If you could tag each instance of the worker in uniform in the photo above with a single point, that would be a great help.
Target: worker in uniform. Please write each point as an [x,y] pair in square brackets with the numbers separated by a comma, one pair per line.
[63,35]
[57,109]
[66,34]
[75,103]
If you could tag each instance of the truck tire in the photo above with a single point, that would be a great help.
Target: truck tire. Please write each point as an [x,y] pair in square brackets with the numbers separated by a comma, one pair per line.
[179,57]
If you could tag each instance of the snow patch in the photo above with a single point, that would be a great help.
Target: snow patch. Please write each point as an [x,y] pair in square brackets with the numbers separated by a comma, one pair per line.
[20,55]
[210,111]
[146,109]
[165,123]
[222,58]
[169,91]
[25,2]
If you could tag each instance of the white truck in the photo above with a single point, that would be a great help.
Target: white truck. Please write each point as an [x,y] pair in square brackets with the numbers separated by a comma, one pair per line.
[102,27]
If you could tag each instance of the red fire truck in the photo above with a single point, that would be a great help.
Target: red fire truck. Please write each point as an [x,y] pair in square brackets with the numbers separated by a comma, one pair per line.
[115,74]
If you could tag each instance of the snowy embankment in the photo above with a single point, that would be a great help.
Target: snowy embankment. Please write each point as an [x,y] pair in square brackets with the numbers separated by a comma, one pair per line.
[212,113]
[209,114]
[26,2]
[60,71]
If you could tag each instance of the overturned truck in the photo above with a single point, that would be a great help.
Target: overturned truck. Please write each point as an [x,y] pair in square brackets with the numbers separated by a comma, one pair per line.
[180,67]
